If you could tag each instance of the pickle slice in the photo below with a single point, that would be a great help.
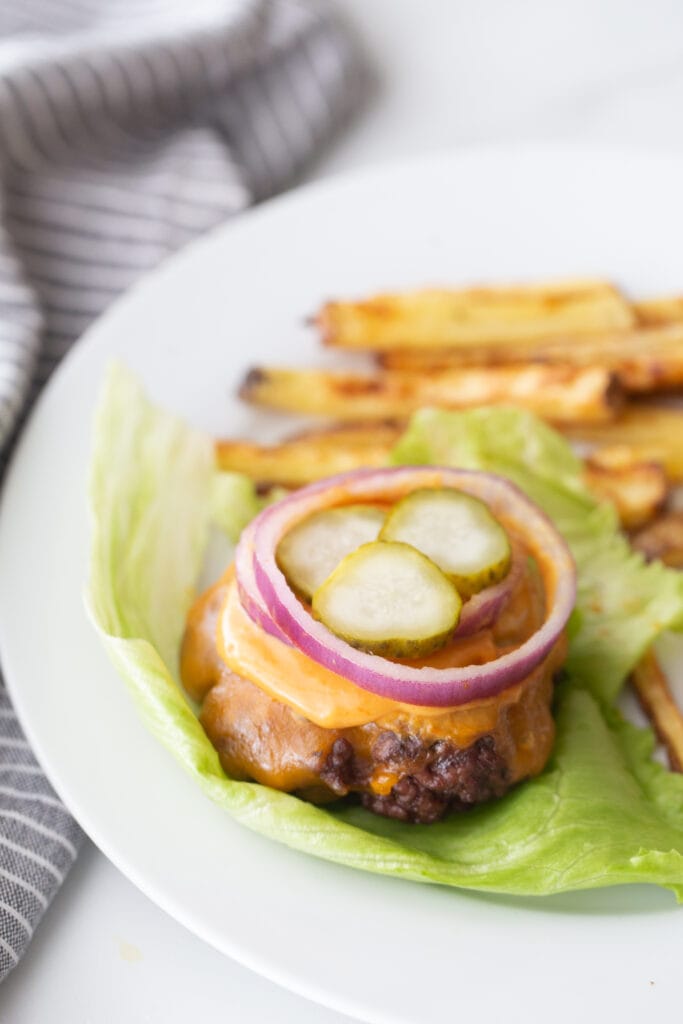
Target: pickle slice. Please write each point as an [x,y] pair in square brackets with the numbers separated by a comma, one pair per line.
[458,532]
[313,548]
[389,599]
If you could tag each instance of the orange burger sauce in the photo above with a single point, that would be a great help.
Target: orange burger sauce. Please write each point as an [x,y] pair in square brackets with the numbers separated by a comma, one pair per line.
[272,712]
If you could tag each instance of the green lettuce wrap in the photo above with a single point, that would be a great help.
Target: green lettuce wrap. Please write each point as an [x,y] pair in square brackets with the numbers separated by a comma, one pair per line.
[602,813]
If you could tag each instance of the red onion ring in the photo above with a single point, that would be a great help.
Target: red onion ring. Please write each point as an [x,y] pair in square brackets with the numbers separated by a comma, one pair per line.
[249,594]
[423,686]
[483,608]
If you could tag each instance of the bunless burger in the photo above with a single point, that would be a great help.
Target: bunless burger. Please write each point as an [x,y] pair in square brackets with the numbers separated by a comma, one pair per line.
[387,633]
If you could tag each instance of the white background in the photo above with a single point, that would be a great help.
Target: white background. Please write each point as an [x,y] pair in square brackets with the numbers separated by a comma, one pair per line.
[450,73]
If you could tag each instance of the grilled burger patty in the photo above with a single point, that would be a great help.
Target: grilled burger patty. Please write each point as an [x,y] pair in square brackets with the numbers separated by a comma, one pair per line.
[407,765]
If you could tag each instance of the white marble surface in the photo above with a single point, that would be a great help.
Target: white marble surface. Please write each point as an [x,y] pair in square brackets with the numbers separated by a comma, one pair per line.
[450,73]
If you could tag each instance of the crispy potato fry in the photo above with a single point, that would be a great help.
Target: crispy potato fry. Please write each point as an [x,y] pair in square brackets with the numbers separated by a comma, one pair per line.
[646,359]
[643,433]
[562,394]
[666,310]
[619,459]
[638,489]
[367,432]
[310,456]
[658,704]
[438,318]
[663,539]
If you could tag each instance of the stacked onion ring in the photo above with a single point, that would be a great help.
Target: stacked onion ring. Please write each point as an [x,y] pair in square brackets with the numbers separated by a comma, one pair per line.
[269,601]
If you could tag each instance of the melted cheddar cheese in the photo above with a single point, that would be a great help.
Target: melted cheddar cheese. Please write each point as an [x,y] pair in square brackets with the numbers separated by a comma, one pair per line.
[329,700]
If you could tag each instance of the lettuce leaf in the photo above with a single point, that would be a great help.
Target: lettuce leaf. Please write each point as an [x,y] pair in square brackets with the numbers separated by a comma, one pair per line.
[233,503]
[602,813]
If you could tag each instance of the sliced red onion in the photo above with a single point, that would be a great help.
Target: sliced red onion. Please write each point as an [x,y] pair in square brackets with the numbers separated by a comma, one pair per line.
[421,686]
[482,609]
[250,595]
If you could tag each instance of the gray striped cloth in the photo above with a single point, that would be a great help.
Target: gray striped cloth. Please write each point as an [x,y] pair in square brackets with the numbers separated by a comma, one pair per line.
[126,128]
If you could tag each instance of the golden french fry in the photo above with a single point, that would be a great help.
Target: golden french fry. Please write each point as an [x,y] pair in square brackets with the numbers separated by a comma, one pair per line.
[561,394]
[646,359]
[659,705]
[362,432]
[663,310]
[663,539]
[619,459]
[442,318]
[637,489]
[311,456]
[642,433]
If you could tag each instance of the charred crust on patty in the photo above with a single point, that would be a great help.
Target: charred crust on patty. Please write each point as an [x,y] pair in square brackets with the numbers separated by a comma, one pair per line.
[339,768]
[406,766]
[434,778]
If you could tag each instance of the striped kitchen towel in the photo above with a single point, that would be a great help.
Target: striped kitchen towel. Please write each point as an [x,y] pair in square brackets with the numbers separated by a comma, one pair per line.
[126,128]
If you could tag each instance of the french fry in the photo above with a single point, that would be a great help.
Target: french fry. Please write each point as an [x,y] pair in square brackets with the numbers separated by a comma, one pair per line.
[658,704]
[646,359]
[666,310]
[302,459]
[439,318]
[663,539]
[637,489]
[368,432]
[642,433]
[561,394]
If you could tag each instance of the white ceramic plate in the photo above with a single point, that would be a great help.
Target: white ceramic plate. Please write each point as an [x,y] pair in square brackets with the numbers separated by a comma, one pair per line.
[381,949]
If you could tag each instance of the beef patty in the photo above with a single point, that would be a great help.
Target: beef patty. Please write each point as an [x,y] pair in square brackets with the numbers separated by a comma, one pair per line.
[410,766]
